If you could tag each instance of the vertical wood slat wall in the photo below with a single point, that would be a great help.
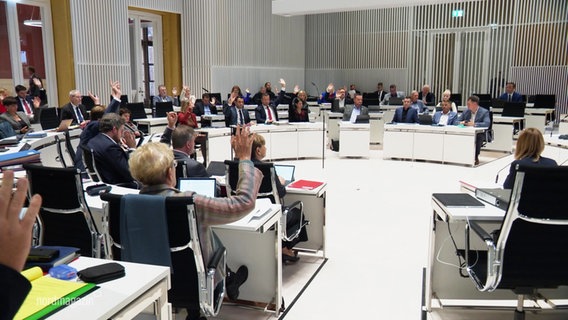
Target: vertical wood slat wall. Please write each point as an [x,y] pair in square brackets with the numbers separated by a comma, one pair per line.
[523,40]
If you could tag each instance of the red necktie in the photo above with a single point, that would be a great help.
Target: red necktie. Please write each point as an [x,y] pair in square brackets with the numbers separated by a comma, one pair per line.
[269,113]
[27,107]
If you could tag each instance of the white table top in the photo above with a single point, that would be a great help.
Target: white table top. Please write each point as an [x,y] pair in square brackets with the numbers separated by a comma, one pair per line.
[441,129]
[115,295]
[487,213]
[260,219]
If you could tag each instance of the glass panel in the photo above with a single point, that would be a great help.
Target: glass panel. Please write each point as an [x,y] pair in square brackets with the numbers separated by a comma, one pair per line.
[5,67]
[31,46]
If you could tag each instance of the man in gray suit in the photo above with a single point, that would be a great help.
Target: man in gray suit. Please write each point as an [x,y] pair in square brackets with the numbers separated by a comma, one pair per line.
[475,116]
[352,111]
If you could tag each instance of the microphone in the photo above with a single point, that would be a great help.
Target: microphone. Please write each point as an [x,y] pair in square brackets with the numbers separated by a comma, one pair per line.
[205,90]
[317,89]
[498,172]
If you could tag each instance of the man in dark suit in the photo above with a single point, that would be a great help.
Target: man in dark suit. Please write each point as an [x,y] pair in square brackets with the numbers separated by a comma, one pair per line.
[510,94]
[74,109]
[426,96]
[264,112]
[380,93]
[205,106]
[26,104]
[111,158]
[352,111]
[340,101]
[405,114]
[236,115]
[475,116]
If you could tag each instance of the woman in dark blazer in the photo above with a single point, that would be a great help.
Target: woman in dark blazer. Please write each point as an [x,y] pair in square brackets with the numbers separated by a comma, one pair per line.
[529,147]
[297,112]
[17,119]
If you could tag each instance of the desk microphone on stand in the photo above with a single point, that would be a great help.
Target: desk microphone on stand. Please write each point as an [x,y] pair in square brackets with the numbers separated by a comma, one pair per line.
[205,90]
[322,116]
[317,89]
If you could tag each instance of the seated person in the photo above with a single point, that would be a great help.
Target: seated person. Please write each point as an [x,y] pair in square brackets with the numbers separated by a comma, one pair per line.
[405,114]
[75,109]
[163,96]
[528,151]
[426,96]
[352,111]
[392,93]
[205,106]
[153,164]
[475,116]
[129,125]
[258,153]
[417,103]
[17,119]
[188,118]
[182,139]
[340,101]
[264,112]
[446,117]
[26,104]
[510,94]
[236,92]
[297,113]
[237,114]
[111,158]
[446,97]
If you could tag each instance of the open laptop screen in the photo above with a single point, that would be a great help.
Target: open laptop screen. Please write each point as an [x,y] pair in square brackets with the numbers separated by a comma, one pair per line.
[285,171]
[203,186]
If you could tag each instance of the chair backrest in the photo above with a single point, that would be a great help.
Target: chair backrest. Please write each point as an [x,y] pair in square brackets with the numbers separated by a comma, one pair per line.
[532,244]
[60,155]
[137,110]
[181,169]
[267,187]
[162,108]
[65,217]
[48,118]
[193,282]
[69,147]
[89,163]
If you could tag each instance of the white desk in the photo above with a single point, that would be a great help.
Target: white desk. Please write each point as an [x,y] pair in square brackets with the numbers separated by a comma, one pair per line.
[443,286]
[534,117]
[216,120]
[256,244]
[333,119]
[503,131]
[377,122]
[314,211]
[153,125]
[354,139]
[123,298]
[563,124]
[218,142]
[451,144]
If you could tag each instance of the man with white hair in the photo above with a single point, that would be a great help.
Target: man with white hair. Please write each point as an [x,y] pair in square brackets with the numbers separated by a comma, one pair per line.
[75,109]
[426,96]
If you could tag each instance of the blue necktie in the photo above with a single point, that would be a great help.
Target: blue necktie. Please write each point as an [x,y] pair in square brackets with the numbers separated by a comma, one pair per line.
[79,115]
[241,116]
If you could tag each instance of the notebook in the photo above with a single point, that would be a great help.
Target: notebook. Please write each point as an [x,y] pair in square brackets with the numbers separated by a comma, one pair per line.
[202,186]
[425,119]
[285,171]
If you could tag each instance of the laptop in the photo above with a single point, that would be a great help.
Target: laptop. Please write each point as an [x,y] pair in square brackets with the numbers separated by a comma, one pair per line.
[394,101]
[362,118]
[64,125]
[285,171]
[513,109]
[425,119]
[202,186]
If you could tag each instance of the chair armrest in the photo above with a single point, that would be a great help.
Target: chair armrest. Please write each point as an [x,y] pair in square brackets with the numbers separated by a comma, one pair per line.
[292,205]
[216,258]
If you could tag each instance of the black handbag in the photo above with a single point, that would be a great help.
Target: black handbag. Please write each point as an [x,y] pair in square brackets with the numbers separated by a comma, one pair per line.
[102,273]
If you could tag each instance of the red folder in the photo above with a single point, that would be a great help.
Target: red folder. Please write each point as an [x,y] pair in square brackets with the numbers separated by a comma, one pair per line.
[305,184]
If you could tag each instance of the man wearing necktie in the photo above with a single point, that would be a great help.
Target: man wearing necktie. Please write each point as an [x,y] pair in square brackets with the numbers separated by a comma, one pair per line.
[25,104]
[237,115]
[74,109]
[264,112]
[510,94]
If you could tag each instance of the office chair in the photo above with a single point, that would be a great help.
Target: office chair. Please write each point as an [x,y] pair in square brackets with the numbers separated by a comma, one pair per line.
[137,110]
[489,133]
[193,279]
[64,219]
[60,155]
[89,163]
[531,249]
[181,169]
[69,147]
[162,108]
[48,118]
[291,213]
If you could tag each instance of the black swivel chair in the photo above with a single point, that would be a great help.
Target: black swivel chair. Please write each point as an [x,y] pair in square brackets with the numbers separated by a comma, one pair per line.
[65,218]
[193,279]
[489,133]
[162,108]
[48,118]
[530,251]
[137,110]
[89,163]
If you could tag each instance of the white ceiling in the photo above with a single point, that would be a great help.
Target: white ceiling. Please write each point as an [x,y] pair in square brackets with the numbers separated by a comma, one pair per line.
[303,7]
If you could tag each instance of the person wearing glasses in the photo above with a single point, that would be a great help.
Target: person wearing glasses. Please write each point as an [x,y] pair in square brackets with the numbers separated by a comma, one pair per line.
[75,109]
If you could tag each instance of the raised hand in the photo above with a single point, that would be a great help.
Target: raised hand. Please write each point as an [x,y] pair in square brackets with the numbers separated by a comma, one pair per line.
[95,98]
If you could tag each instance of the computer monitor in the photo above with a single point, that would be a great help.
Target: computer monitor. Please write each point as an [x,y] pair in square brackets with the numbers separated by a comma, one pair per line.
[425,119]
[483,96]
[162,109]
[394,101]
[203,186]
[456,98]
[513,109]
[485,104]
[285,171]
[545,101]
[371,101]
[497,103]
[362,118]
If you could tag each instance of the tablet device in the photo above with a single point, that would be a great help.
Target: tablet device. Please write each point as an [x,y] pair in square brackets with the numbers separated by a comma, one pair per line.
[203,186]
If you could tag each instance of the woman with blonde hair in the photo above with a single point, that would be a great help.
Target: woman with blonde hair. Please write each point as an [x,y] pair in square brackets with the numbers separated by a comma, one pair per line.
[446,97]
[528,152]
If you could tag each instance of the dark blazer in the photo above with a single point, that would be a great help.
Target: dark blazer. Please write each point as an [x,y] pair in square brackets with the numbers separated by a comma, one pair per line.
[279,187]
[36,111]
[199,109]
[111,160]
[517,97]
[411,116]
[67,112]
[17,126]
[15,288]
[430,98]
[335,104]
[452,118]
[481,117]
[261,116]
[194,168]
[542,161]
[380,95]
[349,109]
[231,115]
